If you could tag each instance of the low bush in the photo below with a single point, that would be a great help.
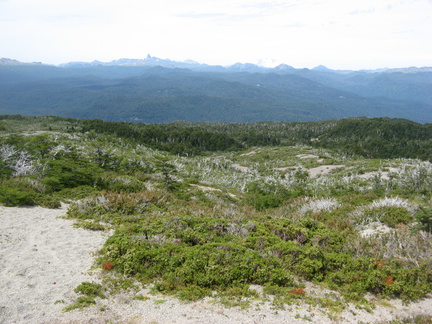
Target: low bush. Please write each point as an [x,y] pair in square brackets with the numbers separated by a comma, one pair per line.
[185,252]
[391,216]
[263,197]
[424,218]
[47,201]
[90,289]
[16,197]
[114,182]
[81,302]
[355,277]
[70,173]
[385,214]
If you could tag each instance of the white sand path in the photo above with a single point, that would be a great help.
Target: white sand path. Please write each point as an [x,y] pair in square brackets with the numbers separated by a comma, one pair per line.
[42,259]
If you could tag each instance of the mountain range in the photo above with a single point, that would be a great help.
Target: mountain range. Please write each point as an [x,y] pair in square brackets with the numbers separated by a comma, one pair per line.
[154,90]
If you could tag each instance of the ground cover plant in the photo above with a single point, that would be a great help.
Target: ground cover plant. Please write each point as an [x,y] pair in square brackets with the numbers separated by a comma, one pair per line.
[217,223]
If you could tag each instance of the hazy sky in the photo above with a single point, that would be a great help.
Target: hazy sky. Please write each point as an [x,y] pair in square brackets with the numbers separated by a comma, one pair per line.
[340,34]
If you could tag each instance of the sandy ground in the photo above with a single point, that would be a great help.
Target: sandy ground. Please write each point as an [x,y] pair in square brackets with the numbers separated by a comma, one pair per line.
[43,258]
[324,169]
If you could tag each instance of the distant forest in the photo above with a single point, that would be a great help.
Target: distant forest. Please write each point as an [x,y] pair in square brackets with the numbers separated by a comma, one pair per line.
[155,94]
[361,136]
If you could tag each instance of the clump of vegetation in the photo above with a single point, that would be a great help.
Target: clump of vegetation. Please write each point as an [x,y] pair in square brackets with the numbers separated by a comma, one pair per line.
[88,291]
[424,218]
[15,197]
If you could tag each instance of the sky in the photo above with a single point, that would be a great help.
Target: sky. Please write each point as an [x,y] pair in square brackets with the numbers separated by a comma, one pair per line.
[340,34]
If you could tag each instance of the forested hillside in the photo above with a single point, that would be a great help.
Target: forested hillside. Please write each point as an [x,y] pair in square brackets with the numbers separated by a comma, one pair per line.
[156,94]
[237,206]
[367,137]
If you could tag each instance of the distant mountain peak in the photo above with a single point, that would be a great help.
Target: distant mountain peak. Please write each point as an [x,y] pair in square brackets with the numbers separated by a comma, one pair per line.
[321,68]
[247,67]
[8,61]
[284,67]
[147,61]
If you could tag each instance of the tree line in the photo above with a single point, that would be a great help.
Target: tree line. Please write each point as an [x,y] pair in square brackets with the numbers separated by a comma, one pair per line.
[366,137]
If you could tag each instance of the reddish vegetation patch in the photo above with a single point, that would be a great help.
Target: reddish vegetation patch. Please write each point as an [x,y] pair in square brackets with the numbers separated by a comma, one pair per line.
[298,291]
[389,280]
[107,265]
[379,264]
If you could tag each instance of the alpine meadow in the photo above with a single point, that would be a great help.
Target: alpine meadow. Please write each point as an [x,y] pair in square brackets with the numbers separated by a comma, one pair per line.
[329,216]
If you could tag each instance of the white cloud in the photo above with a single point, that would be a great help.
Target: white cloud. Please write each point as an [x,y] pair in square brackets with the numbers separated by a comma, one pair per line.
[339,34]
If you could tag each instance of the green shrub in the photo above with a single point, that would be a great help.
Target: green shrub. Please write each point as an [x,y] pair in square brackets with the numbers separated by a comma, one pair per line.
[70,173]
[112,181]
[193,293]
[81,302]
[392,215]
[15,197]
[23,191]
[355,277]
[214,254]
[5,170]
[90,289]
[76,193]
[263,197]
[388,215]
[47,201]
[424,218]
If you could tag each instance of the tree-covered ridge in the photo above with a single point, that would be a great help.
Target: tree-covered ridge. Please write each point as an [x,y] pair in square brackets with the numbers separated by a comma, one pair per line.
[163,95]
[381,138]
[368,137]
[174,138]
[218,222]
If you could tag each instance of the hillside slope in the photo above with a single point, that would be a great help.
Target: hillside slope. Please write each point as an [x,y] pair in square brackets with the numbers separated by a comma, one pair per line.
[158,95]
[253,223]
